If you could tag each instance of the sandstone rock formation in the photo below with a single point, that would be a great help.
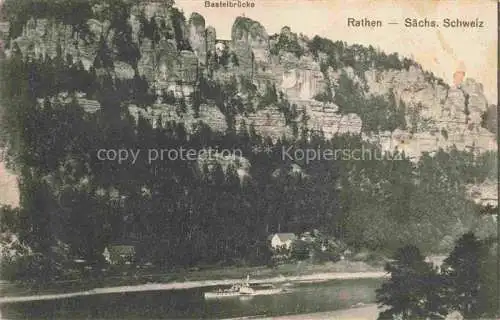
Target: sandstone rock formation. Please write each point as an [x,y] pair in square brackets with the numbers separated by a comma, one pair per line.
[251,32]
[209,115]
[197,36]
[486,193]
[301,79]
[445,116]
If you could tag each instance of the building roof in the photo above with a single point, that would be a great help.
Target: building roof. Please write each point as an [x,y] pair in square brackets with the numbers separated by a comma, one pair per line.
[436,260]
[284,236]
[121,250]
[127,242]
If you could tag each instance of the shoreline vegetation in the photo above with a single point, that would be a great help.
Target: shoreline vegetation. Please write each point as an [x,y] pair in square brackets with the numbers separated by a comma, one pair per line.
[190,284]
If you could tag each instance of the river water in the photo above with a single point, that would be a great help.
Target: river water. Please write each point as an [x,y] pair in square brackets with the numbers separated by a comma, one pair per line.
[190,304]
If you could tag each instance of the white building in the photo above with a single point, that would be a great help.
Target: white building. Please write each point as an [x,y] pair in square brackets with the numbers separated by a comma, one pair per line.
[107,255]
[279,240]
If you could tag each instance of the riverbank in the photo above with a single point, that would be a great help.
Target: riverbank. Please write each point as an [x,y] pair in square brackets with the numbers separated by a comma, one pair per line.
[194,284]
[128,276]
[368,312]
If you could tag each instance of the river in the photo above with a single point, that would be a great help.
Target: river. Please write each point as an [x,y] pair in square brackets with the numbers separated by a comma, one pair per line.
[189,304]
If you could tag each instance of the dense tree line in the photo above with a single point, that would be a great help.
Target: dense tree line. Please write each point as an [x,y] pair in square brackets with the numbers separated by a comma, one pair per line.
[467,282]
[339,55]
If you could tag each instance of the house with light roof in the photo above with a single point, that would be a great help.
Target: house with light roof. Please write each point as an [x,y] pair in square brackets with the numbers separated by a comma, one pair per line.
[282,240]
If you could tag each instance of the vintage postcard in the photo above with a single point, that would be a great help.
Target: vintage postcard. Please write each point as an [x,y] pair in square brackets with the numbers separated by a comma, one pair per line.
[249,159]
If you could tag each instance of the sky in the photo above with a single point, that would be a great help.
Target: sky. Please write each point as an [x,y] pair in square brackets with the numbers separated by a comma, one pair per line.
[440,50]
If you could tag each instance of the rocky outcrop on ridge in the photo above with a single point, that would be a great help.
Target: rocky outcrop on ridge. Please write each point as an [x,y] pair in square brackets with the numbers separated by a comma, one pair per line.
[437,115]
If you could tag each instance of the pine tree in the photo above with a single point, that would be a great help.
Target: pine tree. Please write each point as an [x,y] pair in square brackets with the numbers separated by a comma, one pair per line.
[463,279]
[412,291]
[218,176]
[232,179]
[489,303]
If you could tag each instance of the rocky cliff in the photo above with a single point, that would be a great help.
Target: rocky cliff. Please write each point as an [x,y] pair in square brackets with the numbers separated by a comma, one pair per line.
[174,53]
[446,116]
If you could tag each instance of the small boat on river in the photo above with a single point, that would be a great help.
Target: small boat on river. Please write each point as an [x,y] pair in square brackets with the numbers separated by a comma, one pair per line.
[243,289]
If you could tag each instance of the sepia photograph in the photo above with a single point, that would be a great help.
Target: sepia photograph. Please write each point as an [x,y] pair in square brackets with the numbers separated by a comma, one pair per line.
[249,159]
